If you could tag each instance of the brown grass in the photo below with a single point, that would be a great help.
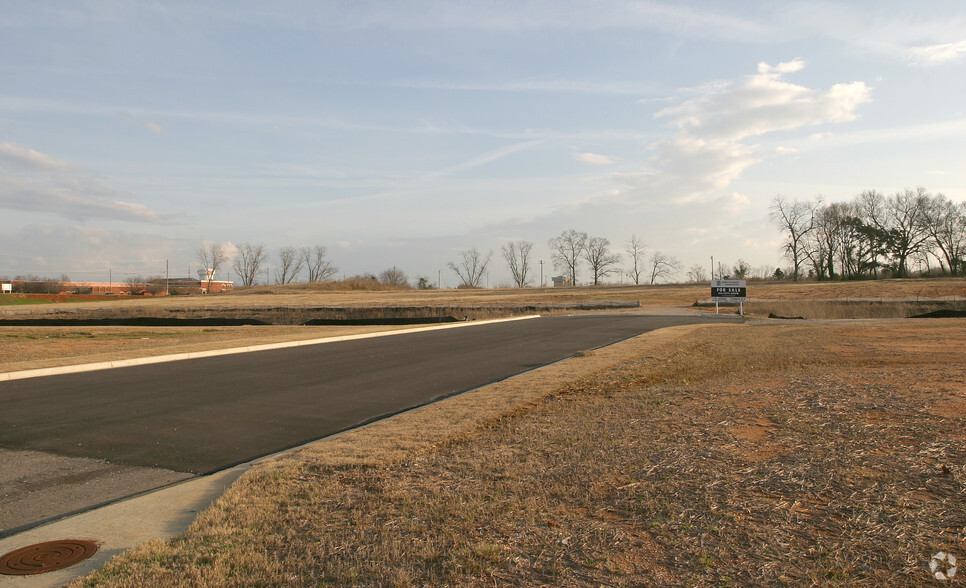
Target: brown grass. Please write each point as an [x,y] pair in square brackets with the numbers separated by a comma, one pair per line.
[830,454]
[307,295]
[848,309]
[23,348]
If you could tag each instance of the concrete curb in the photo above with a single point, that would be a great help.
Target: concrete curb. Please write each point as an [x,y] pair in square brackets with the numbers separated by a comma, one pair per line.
[106,365]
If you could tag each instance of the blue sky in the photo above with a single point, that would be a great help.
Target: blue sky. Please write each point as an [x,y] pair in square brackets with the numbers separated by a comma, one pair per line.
[399,133]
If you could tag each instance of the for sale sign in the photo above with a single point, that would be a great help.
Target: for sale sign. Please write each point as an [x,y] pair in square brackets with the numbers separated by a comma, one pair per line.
[728,291]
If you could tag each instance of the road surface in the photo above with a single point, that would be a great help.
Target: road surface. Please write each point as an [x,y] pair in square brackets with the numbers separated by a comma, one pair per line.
[202,415]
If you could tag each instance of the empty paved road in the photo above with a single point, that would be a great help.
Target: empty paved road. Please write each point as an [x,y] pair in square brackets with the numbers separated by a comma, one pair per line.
[203,415]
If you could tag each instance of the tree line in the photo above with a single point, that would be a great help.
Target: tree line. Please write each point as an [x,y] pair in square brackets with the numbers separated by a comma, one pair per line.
[872,235]
[571,252]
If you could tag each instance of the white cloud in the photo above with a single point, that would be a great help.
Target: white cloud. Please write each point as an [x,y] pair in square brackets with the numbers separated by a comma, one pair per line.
[33,196]
[764,103]
[734,204]
[25,158]
[37,182]
[918,37]
[593,159]
[781,68]
[931,55]
[708,151]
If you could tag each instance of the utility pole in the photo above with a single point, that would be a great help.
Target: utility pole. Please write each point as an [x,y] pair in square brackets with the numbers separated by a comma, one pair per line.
[541,273]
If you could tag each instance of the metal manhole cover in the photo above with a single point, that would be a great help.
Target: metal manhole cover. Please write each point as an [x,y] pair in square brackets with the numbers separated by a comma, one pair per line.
[46,557]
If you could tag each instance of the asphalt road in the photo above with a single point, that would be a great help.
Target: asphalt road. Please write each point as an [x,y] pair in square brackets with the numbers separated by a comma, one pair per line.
[203,415]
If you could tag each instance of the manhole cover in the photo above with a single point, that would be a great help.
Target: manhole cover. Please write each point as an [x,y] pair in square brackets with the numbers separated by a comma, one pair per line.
[46,557]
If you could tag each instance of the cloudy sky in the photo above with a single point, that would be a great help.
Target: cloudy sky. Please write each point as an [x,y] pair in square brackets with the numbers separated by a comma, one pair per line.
[401,133]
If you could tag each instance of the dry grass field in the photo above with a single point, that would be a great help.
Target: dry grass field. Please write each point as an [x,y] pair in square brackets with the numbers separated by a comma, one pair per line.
[34,347]
[770,453]
[767,454]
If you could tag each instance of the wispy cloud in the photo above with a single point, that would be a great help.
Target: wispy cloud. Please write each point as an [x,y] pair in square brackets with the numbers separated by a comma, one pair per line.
[498,15]
[923,38]
[708,151]
[149,125]
[24,158]
[486,158]
[931,55]
[36,182]
[553,85]
[593,159]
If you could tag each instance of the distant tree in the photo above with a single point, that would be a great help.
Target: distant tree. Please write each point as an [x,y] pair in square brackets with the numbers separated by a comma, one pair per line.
[566,251]
[741,269]
[423,283]
[317,264]
[907,226]
[136,285]
[635,250]
[290,263]
[601,260]
[395,277]
[155,285]
[796,221]
[517,257]
[663,267]
[779,274]
[946,224]
[697,274]
[212,256]
[471,268]
[248,263]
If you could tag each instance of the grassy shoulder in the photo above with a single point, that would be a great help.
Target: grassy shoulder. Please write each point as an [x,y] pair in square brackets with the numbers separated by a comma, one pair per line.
[770,454]
[310,295]
[26,348]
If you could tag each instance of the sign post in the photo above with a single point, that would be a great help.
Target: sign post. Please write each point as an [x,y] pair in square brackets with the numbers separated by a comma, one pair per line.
[729,291]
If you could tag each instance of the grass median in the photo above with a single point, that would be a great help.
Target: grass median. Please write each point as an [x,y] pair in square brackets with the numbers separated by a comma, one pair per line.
[770,454]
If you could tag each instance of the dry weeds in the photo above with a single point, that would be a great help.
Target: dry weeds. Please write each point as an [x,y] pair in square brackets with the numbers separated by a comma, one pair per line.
[309,295]
[750,455]
[23,348]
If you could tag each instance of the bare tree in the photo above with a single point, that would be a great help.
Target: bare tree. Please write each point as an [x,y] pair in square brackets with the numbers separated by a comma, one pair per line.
[598,255]
[907,226]
[471,268]
[696,274]
[796,219]
[517,256]
[290,263]
[155,285]
[317,264]
[566,251]
[663,267]
[249,262]
[395,277]
[137,285]
[741,269]
[946,223]
[635,250]
[212,256]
